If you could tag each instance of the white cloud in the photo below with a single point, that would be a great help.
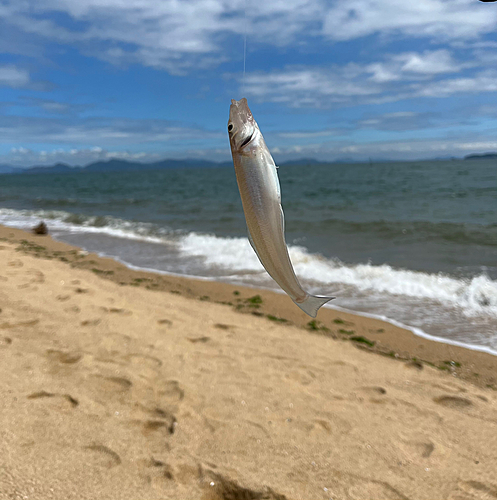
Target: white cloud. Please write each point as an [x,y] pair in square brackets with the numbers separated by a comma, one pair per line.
[28,157]
[394,150]
[307,134]
[446,19]
[412,65]
[12,76]
[100,131]
[55,107]
[308,87]
[188,34]
[398,76]
[429,62]
[171,34]
[482,82]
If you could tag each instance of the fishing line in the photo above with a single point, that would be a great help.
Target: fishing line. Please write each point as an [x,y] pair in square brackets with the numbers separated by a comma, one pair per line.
[244,43]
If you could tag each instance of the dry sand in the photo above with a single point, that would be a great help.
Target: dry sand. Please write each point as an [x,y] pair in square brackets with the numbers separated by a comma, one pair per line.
[113,391]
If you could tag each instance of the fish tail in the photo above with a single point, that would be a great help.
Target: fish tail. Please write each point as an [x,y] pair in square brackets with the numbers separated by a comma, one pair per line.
[312,303]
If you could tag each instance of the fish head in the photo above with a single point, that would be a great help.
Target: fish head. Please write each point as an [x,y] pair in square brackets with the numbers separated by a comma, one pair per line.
[241,125]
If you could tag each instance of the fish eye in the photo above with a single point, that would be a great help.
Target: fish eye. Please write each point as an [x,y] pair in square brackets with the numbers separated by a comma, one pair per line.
[230,127]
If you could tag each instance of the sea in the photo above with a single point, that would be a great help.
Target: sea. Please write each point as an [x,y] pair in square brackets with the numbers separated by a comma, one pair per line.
[414,243]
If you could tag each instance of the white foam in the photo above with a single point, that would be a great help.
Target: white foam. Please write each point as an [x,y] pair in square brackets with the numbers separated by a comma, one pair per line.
[58,221]
[475,296]
[417,331]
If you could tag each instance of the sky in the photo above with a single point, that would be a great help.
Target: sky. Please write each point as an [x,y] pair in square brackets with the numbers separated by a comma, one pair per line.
[86,80]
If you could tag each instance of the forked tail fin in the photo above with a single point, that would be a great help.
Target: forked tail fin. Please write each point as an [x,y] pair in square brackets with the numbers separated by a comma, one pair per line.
[312,303]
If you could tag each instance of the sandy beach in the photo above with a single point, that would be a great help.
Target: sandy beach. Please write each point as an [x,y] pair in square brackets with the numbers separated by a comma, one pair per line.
[121,384]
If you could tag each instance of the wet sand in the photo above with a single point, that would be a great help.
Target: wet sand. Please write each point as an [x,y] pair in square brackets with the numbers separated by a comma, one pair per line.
[124,384]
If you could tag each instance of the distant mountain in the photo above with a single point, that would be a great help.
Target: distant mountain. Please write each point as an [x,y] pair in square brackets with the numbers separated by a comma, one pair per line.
[313,161]
[7,169]
[189,164]
[126,166]
[484,156]
[112,166]
[115,165]
[303,161]
[58,168]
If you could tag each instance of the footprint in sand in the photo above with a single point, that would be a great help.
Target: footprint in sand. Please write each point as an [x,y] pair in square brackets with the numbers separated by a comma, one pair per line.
[90,322]
[15,263]
[302,376]
[332,424]
[143,360]
[474,490]
[72,310]
[116,310]
[60,362]
[196,340]
[172,392]
[66,358]
[454,388]
[340,368]
[153,426]
[418,447]
[7,326]
[219,487]
[374,489]
[109,385]
[144,365]
[356,487]
[160,469]
[222,326]
[103,456]
[36,276]
[375,394]
[373,390]
[65,397]
[453,402]
[5,341]
[424,449]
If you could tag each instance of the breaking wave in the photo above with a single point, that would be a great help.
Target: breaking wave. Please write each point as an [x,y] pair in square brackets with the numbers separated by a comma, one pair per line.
[475,296]
[59,220]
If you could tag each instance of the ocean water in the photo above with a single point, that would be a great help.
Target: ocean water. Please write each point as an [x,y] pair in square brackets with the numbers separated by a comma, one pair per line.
[413,241]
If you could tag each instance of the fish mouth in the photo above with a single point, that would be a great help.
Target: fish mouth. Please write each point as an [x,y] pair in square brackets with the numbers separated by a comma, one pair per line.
[240,108]
[241,102]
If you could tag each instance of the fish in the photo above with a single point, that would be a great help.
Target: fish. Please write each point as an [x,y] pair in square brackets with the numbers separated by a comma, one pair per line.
[260,192]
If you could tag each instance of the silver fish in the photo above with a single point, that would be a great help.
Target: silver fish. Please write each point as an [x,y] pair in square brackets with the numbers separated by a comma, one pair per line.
[261,198]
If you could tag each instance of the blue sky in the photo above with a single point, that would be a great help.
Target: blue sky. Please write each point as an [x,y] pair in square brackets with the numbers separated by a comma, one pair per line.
[82,80]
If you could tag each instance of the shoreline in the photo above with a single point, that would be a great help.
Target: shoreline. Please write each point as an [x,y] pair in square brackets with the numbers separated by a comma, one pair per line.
[383,336]
[434,305]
